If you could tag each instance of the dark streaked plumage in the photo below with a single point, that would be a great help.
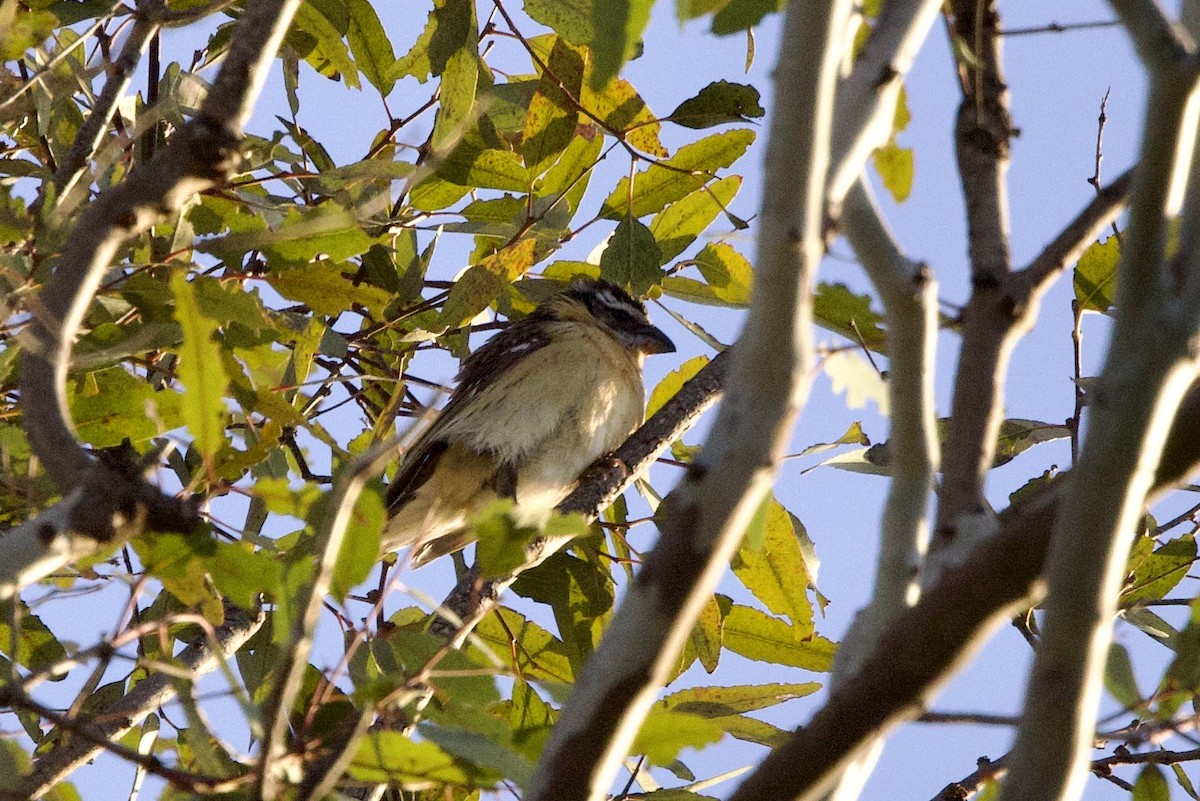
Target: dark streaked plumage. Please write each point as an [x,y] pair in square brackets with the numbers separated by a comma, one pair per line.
[534,406]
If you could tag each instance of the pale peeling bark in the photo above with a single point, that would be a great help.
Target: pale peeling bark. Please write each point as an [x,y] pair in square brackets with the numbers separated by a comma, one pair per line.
[769,379]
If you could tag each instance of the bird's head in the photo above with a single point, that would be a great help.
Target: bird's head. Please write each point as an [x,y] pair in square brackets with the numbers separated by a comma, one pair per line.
[621,315]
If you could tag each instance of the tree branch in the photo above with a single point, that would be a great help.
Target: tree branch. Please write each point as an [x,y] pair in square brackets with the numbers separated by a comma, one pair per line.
[990,324]
[707,514]
[926,644]
[148,17]
[1155,37]
[202,155]
[866,100]
[1149,366]
[147,695]
[311,601]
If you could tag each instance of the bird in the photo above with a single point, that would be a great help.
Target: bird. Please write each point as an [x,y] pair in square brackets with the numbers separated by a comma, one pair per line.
[532,408]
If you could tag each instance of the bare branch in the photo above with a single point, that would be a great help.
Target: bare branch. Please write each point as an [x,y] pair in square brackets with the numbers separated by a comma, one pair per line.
[147,19]
[924,647]
[910,302]
[983,130]
[769,379]
[147,695]
[1149,366]
[1155,37]
[866,100]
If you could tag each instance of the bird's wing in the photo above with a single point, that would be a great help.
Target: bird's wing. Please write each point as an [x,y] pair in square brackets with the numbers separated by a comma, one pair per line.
[484,368]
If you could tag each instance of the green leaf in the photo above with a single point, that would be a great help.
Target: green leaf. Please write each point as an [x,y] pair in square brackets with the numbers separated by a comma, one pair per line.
[717,702]
[727,278]
[678,225]
[570,19]
[632,258]
[621,110]
[501,542]
[389,756]
[691,9]
[705,638]
[838,309]
[241,574]
[483,169]
[689,169]
[1153,575]
[457,95]
[580,595]
[540,657]
[774,572]
[480,285]
[1096,275]
[480,749]
[618,26]
[895,167]
[36,646]
[552,116]
[1183,781]
[360,547]
[370,45]
[1017,436]
[179,562]
[325,288]
[1119,679]
[228,303]
[739,15]
[758,636]
[719,103]
[672,382]
[665,733]
[318,40]
[200,370]
[109,406]
[1151,785]
[854,436]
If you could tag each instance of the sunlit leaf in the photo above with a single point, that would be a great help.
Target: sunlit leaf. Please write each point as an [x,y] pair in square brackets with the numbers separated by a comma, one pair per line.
[200,371]
[678,225]
[758,636]
[1096,275]
[664,733]
[370,45]
[838,309]
[691,167]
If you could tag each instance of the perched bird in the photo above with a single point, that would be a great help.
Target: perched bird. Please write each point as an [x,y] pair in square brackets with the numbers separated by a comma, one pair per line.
[534,406]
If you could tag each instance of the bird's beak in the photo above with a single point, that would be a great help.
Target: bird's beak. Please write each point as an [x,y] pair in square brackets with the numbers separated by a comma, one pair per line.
[651,340]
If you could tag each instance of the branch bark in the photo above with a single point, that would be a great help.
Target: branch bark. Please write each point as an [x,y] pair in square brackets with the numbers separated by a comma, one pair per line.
[202,155]
[990,323]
